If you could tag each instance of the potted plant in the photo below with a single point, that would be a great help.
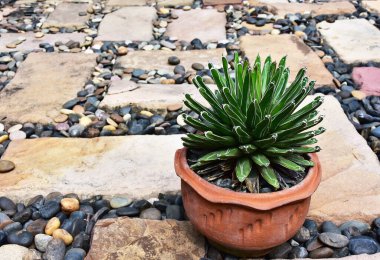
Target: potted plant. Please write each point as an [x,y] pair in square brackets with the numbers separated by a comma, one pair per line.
[248,173]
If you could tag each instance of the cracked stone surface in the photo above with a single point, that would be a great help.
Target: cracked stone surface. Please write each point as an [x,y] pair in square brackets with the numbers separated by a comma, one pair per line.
[127,238]
[67,15]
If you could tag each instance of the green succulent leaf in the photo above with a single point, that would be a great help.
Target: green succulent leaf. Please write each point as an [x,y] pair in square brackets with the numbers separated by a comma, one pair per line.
[298,159]
[243,168]
[225,154]
[287,163]
[270,176]
[260,160]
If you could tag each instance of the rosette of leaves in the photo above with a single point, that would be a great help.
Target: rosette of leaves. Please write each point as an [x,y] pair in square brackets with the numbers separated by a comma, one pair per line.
[253,123]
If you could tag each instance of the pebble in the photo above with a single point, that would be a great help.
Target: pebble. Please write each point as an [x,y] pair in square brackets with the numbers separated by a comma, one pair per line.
[174,212]
[39,34]
[49,209]
[333,240]
[197,66]
[363,227]
[75,254]
[298,252]
[41,241]
[3,138]
[358,94]
[22,238]
[64,235]
[280,251]
[362,245]
[127,211]
[52,225]
[173,60]
[15,128]
[6,166]
[37,226]
[61,118]
[17,135]
[323,252]
[7,204]
[69,204]
[151,213]
[122,50]
[2,127]
[118,202]
[174,107]
[302,235]
[3,238]
[328,226]
[312,226]
[85,121]
[55,250]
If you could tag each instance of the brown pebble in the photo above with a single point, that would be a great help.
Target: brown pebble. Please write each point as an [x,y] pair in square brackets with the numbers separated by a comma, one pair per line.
[64,235]
[69,204]
[167,81]
[117,118]
[174,107]
[78,109]
[52,225]
[6,166]
[61,118]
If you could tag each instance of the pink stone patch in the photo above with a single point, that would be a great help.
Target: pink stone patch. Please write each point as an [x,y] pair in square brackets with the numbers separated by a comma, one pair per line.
[368,78]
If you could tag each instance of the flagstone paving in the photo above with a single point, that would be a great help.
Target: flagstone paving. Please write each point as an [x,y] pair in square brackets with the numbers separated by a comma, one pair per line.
[299,55]
[282,9]
[68,15]
[368,78]
[211,21]
[148,96]
[373,6]
[32,43]
[143,59]
[146,239]
[42,84]
[354,40]
[128,23]
[106,165]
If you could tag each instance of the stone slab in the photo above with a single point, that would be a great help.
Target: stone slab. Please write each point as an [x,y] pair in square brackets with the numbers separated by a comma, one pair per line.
[281,9]
[204,24]
[143,59]
[136,166]
[67,15]
[43,83]
[299,55]
[373,6]
[32,43]
[350,171]
[368,78]
[126,238]
[174,2]
[128,23]
[354,41]
[221,2]
[124,3]
[148,96]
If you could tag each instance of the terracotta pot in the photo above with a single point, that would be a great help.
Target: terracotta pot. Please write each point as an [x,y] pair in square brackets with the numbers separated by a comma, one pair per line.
[245,224]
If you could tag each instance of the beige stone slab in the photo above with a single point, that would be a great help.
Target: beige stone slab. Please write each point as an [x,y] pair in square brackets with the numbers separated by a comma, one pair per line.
[143,59]
[350,171]
[344,7]
[136,166]
[354,41]
[67,15]
[149,96]
[299,55]
[43,83]
[128,23]
[204,24]
[145,239]
[174,2]
[221,2]
[124,3]
[32,43]
[373,6]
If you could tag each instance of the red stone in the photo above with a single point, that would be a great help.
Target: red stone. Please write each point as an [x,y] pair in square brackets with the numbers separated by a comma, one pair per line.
[368,78]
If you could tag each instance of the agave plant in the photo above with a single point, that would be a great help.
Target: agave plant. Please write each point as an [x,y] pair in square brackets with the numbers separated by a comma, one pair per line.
[252,124]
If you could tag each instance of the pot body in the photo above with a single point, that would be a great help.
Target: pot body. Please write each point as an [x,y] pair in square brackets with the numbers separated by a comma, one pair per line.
[240,223]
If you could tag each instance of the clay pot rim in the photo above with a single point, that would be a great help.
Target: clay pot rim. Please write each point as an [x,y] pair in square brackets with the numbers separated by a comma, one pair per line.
[261,201]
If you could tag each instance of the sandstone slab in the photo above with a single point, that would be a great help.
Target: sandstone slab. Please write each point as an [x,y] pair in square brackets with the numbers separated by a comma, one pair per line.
[148,96]
[135,166]
[221,2]
[13,252]
[174,2]
[43,83]
[281,9]
[67,15]
[299,55]
[128,23]
[204,24]
[372,6]
[354,41]
[126,238]
[350,171]
[123,3]
[32,43]
[368,78]
[143,59]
